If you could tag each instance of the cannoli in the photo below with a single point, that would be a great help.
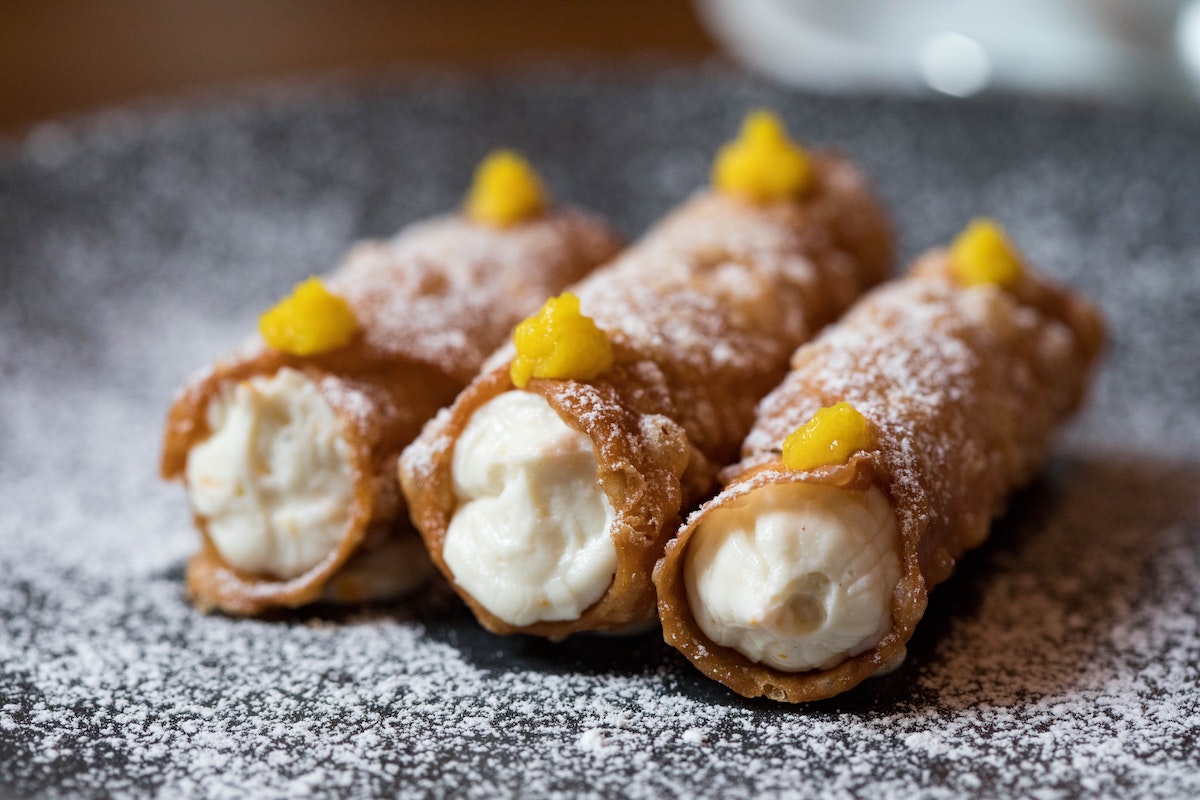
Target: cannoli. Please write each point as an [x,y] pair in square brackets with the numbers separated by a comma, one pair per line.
[288,448]
[546,492]
[883,456]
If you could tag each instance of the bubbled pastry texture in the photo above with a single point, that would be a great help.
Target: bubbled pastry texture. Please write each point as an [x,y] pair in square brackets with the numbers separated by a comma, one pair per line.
[430,303]
[964,387]
[703,313]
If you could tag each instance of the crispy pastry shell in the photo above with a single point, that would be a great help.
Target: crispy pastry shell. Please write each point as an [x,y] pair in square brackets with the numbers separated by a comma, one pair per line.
[431,304]
[702,313]
[963,387]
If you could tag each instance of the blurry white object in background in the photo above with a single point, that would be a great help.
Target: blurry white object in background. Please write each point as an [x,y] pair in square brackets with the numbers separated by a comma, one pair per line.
[1187,39]
[1084,48]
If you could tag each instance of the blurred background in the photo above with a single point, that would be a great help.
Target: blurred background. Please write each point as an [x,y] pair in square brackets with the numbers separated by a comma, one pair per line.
[72,56]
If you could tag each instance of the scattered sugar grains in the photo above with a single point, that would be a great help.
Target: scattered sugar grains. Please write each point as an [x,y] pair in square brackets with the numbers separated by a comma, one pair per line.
[1061,660]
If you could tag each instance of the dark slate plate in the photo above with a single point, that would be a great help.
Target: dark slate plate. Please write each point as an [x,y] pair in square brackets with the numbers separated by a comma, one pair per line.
[1062,660]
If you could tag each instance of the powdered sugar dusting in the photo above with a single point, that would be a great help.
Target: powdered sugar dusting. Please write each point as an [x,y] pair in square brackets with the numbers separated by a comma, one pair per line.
[1060,661]
[699,292]
[448,291]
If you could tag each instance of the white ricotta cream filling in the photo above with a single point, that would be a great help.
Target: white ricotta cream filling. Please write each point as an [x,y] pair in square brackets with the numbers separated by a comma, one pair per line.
[273,480]
[795,576]
[530,540]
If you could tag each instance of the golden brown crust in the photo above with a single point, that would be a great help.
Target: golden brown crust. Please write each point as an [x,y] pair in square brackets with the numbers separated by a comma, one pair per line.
[430,304]
[703,313]
[379,410]
[640,470]
[963,388]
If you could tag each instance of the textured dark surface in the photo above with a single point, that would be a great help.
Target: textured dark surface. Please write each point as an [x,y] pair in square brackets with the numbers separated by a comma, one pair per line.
[1060,661]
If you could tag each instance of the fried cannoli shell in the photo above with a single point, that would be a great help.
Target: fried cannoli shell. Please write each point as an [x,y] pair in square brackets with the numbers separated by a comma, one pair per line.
[640,468]
[963,388]
[431,304]
[702,313]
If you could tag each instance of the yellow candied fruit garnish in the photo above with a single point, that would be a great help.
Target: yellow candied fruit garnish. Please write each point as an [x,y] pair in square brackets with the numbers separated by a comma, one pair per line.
[559,342]
[833,435]
[983,254]
[309,321]
[505,191]
[762,164]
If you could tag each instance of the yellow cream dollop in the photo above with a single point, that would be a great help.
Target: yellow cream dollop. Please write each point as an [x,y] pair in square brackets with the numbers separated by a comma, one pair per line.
[762,164]
[833,435]
[505,191]
[559,342]
[983,254]
[309,321]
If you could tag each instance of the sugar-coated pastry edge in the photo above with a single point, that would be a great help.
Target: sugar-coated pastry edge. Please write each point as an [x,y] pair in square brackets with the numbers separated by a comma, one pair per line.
[915,390]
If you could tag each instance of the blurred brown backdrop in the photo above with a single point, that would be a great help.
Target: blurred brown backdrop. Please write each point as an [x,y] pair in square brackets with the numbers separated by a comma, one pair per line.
[65,56]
